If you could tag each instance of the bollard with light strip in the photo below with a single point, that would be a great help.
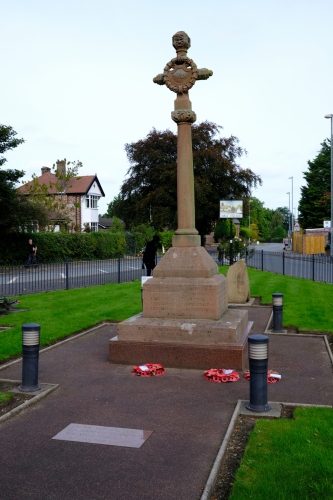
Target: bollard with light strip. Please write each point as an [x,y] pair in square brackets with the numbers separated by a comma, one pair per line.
[30,355]
[277,312]
[258,361]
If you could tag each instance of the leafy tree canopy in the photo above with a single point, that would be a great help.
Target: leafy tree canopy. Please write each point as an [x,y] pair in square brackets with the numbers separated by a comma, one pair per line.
[149,194]
[8,141]
[261,217]
[15,210]
[112,207]
[315,203]
[222,230]
[286,214]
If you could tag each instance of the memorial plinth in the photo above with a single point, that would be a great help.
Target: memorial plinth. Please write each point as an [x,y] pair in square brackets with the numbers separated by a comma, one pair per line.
[185,320]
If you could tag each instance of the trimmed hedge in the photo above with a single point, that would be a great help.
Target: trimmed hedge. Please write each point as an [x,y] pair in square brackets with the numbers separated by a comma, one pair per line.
[55,247]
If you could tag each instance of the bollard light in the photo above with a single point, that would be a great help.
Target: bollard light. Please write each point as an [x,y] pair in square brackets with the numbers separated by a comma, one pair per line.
[258,362]
[30,355]
[277,312]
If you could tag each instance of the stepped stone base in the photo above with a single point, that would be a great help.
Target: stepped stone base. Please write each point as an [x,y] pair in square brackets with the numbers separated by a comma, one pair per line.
[181,354]
[185,321]
[226,330]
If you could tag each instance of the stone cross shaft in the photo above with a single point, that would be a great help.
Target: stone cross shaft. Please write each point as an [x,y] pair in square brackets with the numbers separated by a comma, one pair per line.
[180,74]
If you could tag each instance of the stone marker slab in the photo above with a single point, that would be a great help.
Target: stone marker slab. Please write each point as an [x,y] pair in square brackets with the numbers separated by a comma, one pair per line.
[238,283]
[97,434]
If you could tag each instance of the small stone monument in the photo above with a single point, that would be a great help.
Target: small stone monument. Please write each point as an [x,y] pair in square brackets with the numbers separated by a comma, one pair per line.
[185,320]
[238,283]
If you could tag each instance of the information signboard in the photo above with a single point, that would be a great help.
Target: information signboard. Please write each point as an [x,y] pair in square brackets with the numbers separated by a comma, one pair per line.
[231,209]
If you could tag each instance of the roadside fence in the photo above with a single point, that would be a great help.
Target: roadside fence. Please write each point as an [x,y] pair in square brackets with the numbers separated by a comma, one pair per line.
[21,279]
[312,267]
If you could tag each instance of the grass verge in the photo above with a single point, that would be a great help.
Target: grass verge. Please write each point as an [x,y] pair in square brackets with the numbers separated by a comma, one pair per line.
[288,459]
[306,304]
[65,312]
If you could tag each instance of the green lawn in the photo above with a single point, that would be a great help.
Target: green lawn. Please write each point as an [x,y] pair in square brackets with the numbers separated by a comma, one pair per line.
[288,459]
[306,304]
[65,312]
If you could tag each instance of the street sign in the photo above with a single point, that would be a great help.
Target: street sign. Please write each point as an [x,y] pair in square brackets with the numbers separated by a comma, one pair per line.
[296,226]
[327,224]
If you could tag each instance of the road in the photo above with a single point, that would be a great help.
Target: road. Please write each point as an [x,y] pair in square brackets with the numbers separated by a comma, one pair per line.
[268,247]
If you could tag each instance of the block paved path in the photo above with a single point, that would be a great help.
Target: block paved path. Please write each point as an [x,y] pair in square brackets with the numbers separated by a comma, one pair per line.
[188,416]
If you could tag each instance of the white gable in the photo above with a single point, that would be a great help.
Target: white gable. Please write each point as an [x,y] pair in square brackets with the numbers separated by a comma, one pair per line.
[94,189]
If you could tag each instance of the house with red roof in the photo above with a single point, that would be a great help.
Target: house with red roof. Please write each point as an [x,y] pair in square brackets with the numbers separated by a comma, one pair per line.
[79,197]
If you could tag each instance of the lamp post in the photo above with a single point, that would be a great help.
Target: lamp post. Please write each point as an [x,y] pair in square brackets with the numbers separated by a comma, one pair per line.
[331,117]
[250,219]
[231,258]
[289,216]
[292,202]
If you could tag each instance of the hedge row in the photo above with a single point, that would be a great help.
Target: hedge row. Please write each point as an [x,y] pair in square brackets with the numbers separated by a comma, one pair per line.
[55,247]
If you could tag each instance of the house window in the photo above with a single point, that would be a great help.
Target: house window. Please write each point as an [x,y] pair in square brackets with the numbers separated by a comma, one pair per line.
[91,201]
[94,227]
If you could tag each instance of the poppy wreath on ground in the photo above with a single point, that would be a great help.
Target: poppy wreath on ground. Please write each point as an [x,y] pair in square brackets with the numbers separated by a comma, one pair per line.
[221,375]
[272,376]
[149,370]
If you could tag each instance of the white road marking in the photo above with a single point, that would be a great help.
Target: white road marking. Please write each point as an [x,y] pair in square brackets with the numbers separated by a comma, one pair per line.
[12,280]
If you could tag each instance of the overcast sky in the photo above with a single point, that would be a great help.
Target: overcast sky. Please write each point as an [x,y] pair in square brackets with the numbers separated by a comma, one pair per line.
[76,81]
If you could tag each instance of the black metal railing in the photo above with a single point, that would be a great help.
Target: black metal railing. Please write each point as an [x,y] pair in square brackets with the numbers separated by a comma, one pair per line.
[20,279]
[312,267]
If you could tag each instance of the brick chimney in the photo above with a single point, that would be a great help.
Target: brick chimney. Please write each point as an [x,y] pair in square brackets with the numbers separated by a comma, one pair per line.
[46,170]
[61,166]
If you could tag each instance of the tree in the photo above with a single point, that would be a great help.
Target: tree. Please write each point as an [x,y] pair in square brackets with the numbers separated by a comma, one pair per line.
[222,230]
[315,203]
[261,217]
[149,194]
[278,234]
[286,214]
[8,142]
[15,210]
[112,207]
[117,226]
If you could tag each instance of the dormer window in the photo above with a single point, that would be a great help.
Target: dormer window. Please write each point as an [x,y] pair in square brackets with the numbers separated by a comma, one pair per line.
[91,201]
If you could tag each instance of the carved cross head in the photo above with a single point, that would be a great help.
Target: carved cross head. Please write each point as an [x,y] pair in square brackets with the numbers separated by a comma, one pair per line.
[181,73]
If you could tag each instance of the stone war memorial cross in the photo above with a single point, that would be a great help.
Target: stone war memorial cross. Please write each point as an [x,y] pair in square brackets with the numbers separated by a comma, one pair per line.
[185,322]
[180,74]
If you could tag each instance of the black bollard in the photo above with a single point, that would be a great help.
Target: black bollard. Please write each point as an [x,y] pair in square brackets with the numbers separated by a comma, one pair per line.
[258,361]
[30,354]
[277,312]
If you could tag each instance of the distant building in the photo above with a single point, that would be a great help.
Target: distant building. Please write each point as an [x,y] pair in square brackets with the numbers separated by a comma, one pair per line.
[105,223]
[81,198]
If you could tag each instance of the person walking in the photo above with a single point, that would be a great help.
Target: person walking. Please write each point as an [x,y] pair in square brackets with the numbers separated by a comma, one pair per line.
[32,254]
[150,254]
